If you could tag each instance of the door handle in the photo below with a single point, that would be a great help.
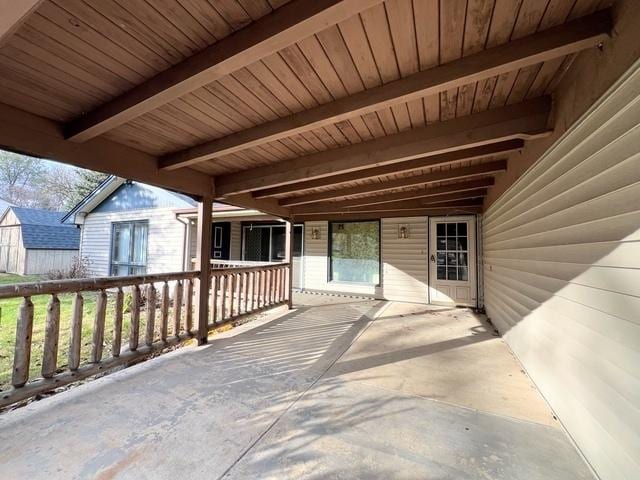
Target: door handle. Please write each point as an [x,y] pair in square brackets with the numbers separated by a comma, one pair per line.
[433,259]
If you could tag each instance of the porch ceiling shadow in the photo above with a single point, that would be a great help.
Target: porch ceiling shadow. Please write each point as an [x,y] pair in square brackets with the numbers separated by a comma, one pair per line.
[236,101]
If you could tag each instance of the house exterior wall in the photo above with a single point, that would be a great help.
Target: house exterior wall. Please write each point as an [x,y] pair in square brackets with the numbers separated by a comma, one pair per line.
[404,262]
[38,262]
[235,248]
[405,274]
[562,278]
[165,250]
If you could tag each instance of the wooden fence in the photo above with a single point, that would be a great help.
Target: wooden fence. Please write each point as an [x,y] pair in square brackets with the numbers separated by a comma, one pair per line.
[164,302]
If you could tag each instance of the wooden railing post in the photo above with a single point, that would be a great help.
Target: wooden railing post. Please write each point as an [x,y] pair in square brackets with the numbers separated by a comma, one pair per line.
[203,261]
[151,315]
[224,280]
[22,355]
[232,291]
[164,313]
[117,323]
[98,327]
[214,299]
[188,307]
[51,334]
[134,333]
[177,307]
[76,332]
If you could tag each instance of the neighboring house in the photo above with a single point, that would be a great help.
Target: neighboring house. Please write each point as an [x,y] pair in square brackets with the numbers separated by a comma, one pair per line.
[129,228]
[34,241]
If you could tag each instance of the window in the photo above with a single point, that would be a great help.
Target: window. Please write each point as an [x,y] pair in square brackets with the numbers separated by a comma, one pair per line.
[355,252]
[452,251]
[129,248]
[266,243]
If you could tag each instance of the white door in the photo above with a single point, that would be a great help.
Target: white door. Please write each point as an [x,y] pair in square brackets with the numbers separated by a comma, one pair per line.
[452,261]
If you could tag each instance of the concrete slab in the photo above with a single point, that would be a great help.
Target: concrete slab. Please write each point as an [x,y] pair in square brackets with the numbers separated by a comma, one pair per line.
[281,399]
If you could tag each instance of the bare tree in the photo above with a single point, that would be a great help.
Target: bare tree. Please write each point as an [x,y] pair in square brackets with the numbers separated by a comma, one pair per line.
[17,175]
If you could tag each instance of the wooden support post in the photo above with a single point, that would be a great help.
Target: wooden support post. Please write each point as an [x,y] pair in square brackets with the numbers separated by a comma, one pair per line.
[289,236]
[97,341]
[117,323]
[203,262]
[76,332]
[22,355]
[51,334]
[151,315]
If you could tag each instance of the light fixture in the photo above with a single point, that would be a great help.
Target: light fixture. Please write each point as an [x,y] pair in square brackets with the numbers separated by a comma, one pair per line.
[315,233]
[403,231]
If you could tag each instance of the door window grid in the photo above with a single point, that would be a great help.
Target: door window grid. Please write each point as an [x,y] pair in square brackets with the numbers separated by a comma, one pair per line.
[452,251]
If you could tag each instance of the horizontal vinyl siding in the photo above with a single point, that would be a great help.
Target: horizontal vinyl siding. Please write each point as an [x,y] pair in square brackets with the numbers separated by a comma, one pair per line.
[38,262]
[562,279]
[316,264]
[165,242]
[405,261]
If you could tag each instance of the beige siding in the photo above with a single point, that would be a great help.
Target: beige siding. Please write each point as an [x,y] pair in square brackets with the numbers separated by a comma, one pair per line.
[236,241]
[405,261]
[39,262]
[165,244]
[562,279]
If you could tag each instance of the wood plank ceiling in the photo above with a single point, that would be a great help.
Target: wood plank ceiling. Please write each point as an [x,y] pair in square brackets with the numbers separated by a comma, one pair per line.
[130,72]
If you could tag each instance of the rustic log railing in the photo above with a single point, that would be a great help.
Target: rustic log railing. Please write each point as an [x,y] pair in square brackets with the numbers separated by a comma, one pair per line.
[164,302]
[240,291]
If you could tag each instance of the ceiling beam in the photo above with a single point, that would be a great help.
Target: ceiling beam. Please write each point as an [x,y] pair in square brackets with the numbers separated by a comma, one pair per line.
[419,212]
[13,14]
[408,204]
[33,135]
[267,205]
[499,148]
[438,192]
[553,43]
[417,180]
[525,120]
[388,207]
[288,24]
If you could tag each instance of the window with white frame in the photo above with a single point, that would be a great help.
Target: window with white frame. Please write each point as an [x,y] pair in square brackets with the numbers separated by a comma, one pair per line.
[129,248]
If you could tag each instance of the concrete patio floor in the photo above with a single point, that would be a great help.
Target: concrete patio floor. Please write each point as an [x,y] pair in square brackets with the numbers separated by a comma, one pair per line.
[339,388]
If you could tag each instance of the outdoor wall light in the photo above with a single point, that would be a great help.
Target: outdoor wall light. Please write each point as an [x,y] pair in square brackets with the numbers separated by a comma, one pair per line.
[403,231]
[315,234]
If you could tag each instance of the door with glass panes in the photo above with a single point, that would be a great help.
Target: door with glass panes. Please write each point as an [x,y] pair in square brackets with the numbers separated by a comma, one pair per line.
[452,261]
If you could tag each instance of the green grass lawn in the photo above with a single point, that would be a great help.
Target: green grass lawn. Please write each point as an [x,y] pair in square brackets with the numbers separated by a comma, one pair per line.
[8,316]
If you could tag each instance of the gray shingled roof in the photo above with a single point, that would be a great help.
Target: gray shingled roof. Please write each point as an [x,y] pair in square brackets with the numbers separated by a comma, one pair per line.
[42,229]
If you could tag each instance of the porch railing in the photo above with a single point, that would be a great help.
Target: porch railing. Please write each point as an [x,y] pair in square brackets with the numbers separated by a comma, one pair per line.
[151,312]
[238,291]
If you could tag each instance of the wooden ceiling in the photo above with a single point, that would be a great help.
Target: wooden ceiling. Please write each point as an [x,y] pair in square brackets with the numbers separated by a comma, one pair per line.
[294,107]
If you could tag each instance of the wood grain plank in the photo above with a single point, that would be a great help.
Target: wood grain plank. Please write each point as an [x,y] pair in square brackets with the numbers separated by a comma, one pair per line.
[273,32]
